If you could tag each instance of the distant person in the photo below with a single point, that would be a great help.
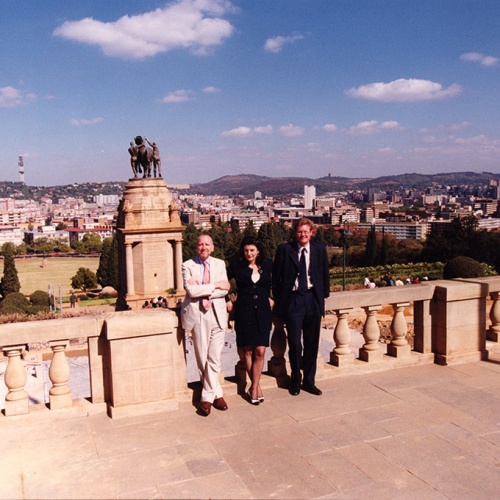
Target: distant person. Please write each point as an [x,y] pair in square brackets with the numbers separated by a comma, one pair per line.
[372,285]
[204,314]
[407,281]
[72,300]
[301,283]
[252,310]
[366,282]
[399,282]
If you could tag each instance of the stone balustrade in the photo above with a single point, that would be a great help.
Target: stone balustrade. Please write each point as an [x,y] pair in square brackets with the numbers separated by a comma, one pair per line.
[137,358]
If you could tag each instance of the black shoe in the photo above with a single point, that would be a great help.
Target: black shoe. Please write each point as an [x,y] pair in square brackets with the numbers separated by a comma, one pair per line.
[312,389]
[294,390]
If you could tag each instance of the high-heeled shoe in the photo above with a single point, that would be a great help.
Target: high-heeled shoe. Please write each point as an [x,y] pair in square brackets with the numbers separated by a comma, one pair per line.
[253,401]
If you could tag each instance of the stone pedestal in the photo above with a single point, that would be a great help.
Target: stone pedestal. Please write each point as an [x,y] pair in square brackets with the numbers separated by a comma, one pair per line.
[459,321]
[143,353]
[149,233]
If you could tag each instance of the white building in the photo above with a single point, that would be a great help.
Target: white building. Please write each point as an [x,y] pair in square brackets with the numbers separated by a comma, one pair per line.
[309,196]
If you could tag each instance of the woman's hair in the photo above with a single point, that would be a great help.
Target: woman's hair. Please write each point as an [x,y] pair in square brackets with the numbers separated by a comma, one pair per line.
[251,240]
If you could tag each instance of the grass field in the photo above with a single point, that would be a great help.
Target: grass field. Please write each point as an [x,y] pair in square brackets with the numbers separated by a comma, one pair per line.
[38,274]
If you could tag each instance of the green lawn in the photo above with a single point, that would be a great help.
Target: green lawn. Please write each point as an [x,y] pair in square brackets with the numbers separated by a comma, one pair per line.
[38,274]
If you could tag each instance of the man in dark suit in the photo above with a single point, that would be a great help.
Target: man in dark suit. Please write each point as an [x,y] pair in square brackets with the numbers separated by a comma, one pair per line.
[301,284]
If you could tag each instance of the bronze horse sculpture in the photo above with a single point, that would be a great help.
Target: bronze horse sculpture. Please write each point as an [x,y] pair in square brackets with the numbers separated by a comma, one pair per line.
[144,156]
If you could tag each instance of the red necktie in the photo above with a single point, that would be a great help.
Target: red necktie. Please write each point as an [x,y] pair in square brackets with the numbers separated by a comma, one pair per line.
[207,303]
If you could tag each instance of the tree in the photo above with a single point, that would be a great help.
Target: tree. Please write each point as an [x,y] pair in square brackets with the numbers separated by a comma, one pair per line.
[92,242]
[370,257]
[271,235]
[84,279]
[108,272]
[10,280]
[384,250]
[189,238]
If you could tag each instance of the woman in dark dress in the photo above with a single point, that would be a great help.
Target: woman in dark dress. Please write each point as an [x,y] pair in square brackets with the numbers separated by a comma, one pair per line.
[252,272]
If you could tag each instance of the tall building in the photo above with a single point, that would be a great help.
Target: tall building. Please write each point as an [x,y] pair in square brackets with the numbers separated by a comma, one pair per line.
[20,164]
[309,196]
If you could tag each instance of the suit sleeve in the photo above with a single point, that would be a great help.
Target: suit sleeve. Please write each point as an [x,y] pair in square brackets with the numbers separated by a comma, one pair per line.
[326,273]
[277,272]
[220,274]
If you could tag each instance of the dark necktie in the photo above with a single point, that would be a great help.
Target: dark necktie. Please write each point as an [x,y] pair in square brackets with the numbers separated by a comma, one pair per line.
[302,273]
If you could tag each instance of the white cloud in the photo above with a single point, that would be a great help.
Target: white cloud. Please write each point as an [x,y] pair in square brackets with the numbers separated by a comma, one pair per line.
[177,97]
[268,129]
[210,90]
[276,44]
[404,90]
[196,25]
[480,58]
[83,121]
[247,131]
[372,127]
[291,130]
[329,127]
[11,97]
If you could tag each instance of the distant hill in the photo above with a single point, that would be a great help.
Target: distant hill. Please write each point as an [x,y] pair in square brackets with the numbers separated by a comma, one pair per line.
[246,185]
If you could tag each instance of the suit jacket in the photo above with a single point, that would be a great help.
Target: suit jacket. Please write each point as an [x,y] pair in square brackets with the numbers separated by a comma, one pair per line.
[286,269]
[252,307]
[192,310]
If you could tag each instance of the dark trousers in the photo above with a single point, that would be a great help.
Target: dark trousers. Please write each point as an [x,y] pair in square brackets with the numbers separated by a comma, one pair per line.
[303,323]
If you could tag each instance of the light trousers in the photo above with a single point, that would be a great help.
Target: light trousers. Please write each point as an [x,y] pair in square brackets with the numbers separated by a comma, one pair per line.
[208,340]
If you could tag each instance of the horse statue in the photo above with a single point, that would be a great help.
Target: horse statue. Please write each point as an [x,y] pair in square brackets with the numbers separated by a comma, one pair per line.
[144,156]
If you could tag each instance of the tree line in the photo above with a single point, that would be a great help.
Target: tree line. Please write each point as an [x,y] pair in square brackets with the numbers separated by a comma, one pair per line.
[364,248]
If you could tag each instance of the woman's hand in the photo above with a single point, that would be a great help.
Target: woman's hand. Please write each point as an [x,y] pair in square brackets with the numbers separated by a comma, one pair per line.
[229,306]
[271,302]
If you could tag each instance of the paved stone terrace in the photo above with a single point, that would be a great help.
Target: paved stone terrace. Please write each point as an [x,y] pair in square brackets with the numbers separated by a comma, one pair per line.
[426,431]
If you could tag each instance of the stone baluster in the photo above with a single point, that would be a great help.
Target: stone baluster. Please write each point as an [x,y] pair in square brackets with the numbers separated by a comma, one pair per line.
[399,346]
[16,400]
[341,354]
[494,332]
[371,332]
[60,392]
[277,363]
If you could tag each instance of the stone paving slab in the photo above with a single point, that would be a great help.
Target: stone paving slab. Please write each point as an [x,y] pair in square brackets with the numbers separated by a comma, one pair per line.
[419,432]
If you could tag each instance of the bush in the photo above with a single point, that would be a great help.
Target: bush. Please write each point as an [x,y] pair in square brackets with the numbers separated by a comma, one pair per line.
[462,267]
[40,298]
[14,303]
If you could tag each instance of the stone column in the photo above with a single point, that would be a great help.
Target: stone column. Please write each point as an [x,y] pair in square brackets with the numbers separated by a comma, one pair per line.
[341,354]
[60,392]
[371,332]
[494,332]
[399,346]
[277,364]
[129,265]
[16,400]
[179,285]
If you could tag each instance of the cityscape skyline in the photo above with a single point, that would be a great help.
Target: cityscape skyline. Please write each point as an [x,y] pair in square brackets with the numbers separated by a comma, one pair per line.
[282,88]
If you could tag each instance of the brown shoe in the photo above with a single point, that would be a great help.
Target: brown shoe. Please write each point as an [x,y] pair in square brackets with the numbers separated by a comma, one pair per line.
[220,404]
[205,408]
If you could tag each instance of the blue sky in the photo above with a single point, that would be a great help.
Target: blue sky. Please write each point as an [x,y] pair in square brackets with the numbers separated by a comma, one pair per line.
[356,88]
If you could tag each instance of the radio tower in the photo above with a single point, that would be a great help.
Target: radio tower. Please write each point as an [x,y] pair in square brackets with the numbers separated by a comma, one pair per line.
[20,163]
